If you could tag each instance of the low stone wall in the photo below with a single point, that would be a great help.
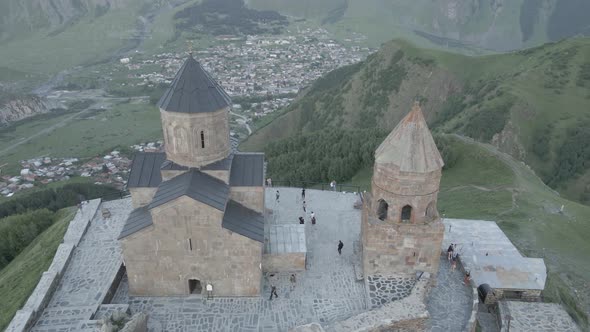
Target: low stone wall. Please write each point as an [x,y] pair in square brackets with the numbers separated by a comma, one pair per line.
[409,313]
[38,300]
[291,262]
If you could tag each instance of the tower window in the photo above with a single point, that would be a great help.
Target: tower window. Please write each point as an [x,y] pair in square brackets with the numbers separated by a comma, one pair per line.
[406,213]
[202,139]
[190,244]
[382,209]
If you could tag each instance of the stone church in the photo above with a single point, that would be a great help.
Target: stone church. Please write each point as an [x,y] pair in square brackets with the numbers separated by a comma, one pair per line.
[199,205]
[401,229]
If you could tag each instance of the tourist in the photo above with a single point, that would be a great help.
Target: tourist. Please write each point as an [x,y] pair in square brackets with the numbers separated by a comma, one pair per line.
[278,195]
[454,261]
[333,185]
[273,291]
[450,252]
[304,205]
[312,218]
[467,278]
[269,182]
[301,221]
[303,194]
[340,246]
[292,279]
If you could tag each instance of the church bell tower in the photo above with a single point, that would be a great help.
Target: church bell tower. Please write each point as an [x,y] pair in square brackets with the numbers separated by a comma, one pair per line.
[401,229]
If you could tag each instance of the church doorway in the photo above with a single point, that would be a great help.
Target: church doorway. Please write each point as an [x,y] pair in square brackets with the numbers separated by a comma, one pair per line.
[194,286]
[406,213]
[382,209]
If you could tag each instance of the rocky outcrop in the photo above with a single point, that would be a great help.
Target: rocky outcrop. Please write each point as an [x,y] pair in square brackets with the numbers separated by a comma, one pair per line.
[23,107]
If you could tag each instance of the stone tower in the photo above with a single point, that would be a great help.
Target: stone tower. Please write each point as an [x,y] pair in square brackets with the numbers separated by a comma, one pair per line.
[401,228]
[195,118]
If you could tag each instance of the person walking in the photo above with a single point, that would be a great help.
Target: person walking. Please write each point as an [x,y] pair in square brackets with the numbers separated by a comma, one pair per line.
[269,182]
[340,246]
[273,291]
[301,221]
[292,278]
[278,196]
[454,261]
[303,194]
[333,185]
[467,278]
[304,205]
[450,251]
[312,218]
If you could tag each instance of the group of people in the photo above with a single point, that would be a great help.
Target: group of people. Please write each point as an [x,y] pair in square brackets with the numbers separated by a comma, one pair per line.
[453,257]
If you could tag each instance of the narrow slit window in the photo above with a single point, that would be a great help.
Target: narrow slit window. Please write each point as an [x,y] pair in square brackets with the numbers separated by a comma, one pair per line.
[202,139]
[190,244]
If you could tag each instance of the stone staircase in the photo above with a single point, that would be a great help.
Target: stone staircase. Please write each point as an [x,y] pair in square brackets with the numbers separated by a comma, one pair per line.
[106,310]
[487,320]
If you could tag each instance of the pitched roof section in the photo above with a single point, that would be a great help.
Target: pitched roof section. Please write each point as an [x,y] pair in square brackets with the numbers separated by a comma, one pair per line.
[241,220]
[169,165]
[194,91]
[139,219]
[145,170]
[247,170]
[196,185]
[410,145]
[220,165]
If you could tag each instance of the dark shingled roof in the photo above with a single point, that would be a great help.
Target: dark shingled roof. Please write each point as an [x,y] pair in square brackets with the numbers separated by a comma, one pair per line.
[139,219]
[241,220]
[145,170]
[196,185]
[220,165]
[169,165]
[247,170]
[194,91]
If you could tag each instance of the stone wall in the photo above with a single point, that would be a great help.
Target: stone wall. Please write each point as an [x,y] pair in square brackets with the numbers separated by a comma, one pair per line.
[409,313]
[250,197]
[24,319]
[291,262]
[393,248]
[142,196]
[398,189]
[182,137]
[221,175]
[188,242]
[169,174]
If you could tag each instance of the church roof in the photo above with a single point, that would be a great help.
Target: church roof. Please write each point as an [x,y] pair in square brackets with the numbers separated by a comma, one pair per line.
[410,145]
[145,170]
[239,219]
[247,170]
[196,185]
[139,219]
[193,91]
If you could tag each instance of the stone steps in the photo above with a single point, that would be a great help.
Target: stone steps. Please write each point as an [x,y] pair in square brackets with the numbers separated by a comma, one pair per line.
[487,322]
[63,318]
[106,310]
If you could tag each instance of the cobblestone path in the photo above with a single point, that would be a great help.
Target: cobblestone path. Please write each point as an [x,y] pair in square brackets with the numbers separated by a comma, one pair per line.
[449,303]
[89,273]
[326,292]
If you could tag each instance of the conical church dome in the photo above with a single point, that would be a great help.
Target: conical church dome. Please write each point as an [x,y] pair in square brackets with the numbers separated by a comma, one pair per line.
[410,146]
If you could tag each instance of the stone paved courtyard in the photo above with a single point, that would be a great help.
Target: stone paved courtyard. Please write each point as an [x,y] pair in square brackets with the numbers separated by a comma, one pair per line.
[327,292]
[450,302]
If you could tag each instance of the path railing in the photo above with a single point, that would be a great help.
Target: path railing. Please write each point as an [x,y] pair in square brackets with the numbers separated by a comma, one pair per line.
[316,185]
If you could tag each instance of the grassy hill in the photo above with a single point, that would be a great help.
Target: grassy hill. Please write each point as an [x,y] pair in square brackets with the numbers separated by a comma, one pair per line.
[19,278]
[490,24]
[533,104]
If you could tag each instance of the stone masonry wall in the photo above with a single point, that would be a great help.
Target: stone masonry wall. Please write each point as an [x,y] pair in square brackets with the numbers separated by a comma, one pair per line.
[399,189]
[37,301]
[182,137]
[169,174]
[291,262]
[391,248]
[160,261]
[142,196]
[221,175]
[250,197]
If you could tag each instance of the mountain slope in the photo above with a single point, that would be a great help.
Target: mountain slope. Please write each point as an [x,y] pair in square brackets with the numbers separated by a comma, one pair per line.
[493,24]
[533,104]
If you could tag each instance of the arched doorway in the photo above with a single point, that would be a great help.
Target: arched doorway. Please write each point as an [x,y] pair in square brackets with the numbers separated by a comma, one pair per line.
[382,209]
[406,213]
[194,286]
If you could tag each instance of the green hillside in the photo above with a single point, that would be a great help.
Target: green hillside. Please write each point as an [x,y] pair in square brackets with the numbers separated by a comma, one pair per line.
[19,278]
[490,24]
[533,104]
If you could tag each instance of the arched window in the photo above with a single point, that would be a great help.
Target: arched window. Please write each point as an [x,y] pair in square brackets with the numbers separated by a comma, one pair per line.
[406,213]
[202,139]
[431,210]
[170,139]
[382,209]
